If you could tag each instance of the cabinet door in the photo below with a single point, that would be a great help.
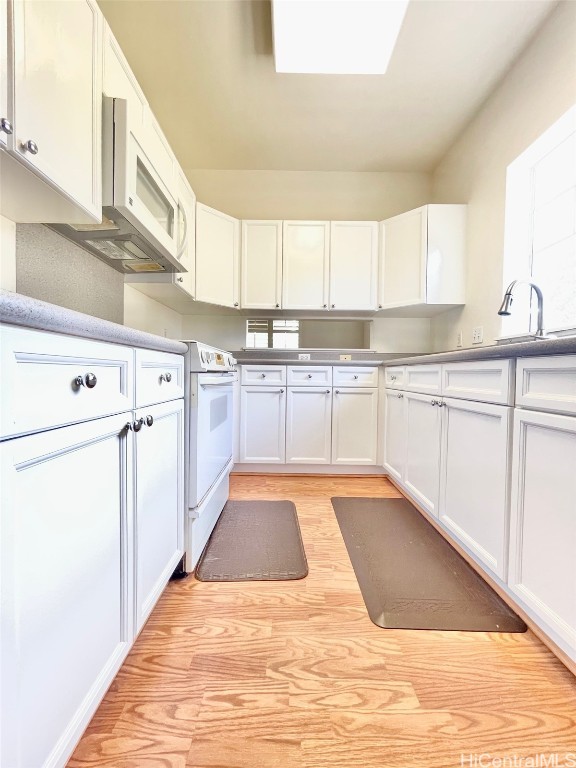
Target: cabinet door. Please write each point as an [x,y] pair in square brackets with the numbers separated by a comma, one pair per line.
[58,95]
[403,259]
[261,282]
[309,425]
[474,484]
[305,264]
[542,571]
[422,467]
[6,117]
[395,434]
[186,253]
[354,426]
[66,583]
[262,425]
[217,257]
[159,461]
[353,264]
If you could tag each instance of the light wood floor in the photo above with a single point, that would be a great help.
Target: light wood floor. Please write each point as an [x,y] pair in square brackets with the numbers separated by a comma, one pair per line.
[294,674]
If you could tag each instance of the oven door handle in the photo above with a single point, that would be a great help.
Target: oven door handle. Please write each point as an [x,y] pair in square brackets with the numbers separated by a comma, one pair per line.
[217,384]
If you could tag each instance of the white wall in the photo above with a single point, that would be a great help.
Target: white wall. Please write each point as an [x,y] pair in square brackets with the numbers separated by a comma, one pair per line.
[7,254]
[538,89]
[145,314]
[310,194]
[394,334]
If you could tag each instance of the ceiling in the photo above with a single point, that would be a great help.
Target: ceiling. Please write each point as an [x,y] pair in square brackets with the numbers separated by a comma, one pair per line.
[207,69]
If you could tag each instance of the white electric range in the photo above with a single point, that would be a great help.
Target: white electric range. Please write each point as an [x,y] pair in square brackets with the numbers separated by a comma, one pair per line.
[210,378]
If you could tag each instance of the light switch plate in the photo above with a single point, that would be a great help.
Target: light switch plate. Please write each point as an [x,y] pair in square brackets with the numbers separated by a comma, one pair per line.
[345,357]
[304,357]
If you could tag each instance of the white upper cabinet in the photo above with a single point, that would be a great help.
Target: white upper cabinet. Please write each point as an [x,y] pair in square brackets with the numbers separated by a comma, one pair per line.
[5,115]
[54,111]
[261,281]
[217,257]
[305,264]
[422,257]
[353,264]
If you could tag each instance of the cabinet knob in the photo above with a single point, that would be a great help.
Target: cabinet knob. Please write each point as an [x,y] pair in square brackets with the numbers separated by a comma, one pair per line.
[327,391]
[337,392]
[277,306]
[6,126]
[263,375]
[128,426]
[235,303]
[440,403]
[167,377]
[333,306]
[399,395]
[137,426]
[30,146]
[281,391]
[180,279]
[392,378]
[309,375]
[433,402]
[89,380]
[355,376]
[325,306]
[379,306]
[149,421]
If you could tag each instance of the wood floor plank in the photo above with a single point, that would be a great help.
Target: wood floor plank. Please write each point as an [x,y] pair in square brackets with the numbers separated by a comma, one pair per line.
[295,675]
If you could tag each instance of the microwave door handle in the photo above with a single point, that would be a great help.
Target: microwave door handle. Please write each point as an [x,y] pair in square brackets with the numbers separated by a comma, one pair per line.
[185,238]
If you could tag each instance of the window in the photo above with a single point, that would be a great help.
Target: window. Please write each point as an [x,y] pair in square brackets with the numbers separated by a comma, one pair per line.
[540,241]
[272,334]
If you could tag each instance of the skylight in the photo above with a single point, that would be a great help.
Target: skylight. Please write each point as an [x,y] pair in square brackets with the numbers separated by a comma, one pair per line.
[336,37]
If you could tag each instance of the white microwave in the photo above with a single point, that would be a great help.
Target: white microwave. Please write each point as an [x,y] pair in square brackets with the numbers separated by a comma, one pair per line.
[143,227]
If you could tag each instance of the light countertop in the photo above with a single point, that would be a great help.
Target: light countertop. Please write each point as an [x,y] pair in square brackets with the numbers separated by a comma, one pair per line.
[16,309]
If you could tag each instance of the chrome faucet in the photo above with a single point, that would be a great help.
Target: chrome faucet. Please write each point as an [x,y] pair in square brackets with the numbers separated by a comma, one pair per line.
[507,303]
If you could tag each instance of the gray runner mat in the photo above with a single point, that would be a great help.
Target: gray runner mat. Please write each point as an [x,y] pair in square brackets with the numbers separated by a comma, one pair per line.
[410,576]
[254,541]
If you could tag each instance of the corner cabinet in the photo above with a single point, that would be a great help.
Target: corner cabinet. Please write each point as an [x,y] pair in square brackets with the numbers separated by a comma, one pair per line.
[217,257]
[422,258]
[306,254]
[52,168]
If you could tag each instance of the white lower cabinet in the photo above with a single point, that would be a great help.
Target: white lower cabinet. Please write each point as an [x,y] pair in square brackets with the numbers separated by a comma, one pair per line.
[422,463]
[355,425]
[308,425]
[542,570]
[159,464]
[66,576]
[263,424]
[395,434]
[474,478]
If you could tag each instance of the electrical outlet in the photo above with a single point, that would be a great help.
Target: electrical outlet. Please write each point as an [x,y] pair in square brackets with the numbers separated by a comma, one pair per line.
[304,357]
[345,357]
[477,335]
[460,340]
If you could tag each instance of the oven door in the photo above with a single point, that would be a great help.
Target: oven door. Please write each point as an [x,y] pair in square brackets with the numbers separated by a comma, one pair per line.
[214,431]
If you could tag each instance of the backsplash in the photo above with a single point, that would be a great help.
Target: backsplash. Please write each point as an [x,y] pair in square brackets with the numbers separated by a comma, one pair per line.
[50,268]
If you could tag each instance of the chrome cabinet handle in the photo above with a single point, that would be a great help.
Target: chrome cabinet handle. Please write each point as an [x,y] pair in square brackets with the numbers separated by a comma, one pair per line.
[392,378]
[440,403]
[263,375]
[235,303]
[333,306]
[309,375]
[281,391]
[337,392]
[379,306]
[167,377]
[128,426]
[30,146]
[325,306]
[6,126]
[149,420]
[434,402]
[327,391]
[399,395]
[89,380]
[355,376]
[137,426]
[180,279]
[277,306]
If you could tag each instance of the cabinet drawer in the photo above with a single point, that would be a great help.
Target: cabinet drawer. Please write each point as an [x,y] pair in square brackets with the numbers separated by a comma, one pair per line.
[423,378]
[44,380]
[263,374]
[488,381]
[394,377]
[355,376]
[547,383]
[159,377]
[310,375]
